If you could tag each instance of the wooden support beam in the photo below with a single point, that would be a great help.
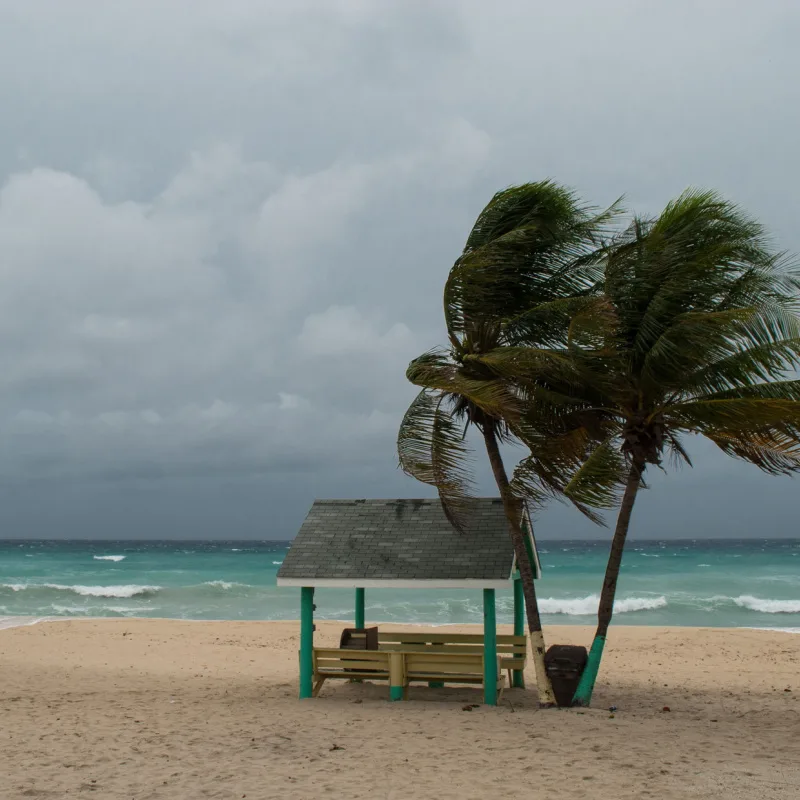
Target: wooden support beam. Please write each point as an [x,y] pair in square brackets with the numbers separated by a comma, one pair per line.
[397,678]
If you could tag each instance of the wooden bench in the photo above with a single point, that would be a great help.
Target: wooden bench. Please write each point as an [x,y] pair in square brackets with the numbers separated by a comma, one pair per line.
[441,668]
[512,650]
[374,665]
[399,668]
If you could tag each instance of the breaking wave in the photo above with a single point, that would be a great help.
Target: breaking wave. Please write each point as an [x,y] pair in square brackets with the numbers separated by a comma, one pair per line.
[108,558]
[129,590]
[586,606]
[767,606]
[225,585]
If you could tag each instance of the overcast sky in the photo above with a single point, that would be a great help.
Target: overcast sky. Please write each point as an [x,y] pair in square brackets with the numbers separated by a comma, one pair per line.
[225,228]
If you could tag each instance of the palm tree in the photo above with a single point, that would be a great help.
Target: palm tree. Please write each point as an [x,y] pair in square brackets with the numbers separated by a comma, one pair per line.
[701,337]
[531,246]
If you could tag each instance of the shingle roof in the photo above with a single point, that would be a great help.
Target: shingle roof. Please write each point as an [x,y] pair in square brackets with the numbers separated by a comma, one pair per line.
[398,540]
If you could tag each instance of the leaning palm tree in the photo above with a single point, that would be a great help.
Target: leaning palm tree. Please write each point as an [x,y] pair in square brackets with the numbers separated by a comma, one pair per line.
[533,245]
[701,338]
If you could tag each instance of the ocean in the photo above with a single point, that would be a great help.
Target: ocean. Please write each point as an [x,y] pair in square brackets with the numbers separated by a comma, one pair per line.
[742,583]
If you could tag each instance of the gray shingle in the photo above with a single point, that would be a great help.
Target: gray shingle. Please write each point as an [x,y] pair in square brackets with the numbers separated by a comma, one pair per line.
[399,539]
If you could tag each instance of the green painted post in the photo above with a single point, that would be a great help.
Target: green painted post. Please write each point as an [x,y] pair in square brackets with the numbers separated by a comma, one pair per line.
[306,641]
[519,625]
[583,694]
[359,608]
[489,649]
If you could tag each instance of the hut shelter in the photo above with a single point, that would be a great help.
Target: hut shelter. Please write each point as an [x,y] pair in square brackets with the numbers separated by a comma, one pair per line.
[368,545]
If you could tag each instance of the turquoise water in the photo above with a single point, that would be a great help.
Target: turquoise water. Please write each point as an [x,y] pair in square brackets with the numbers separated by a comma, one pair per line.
[719,583]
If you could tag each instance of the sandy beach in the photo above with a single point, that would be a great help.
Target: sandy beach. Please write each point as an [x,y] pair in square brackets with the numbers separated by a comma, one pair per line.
[146,709]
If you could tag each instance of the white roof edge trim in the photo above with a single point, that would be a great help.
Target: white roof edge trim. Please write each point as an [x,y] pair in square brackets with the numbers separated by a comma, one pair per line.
[396,583]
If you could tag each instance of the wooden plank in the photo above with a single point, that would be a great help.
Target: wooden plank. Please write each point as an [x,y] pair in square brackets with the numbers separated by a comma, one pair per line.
[454,668]
[377,676]
[443,658]
[325,664]
[408,647]
[429,638]
[382,662]
[450,647]
[446,638]
[366,655]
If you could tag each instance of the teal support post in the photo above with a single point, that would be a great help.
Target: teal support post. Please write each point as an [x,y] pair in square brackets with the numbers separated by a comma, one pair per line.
[489,649]
[359,608]
[583,694]
[519,625]
[306,641]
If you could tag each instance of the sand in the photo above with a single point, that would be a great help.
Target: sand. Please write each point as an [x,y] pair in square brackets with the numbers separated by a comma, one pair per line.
[145,709]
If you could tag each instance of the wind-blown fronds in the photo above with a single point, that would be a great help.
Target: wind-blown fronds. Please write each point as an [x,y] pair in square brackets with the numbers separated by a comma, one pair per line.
[703,340]
[432,449]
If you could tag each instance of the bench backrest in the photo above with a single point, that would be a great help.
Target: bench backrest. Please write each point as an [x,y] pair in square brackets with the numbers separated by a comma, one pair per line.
[426,665]
[334,659]
[508,646]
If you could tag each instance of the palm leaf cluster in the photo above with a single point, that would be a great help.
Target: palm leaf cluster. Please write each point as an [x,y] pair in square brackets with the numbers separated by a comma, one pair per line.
[601,348]
[533,254]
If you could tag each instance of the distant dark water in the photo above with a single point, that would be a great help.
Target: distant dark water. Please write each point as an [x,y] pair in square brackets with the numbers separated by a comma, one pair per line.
[750,583]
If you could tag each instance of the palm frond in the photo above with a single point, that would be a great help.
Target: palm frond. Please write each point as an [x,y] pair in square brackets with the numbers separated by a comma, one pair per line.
[731,414]
[431,448]
[741,367]
[493,396]
[530,244]
[599,480]
[773,452]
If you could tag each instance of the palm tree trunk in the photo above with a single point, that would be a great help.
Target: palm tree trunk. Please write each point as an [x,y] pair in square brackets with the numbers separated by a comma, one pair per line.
[605,610]
[513,509]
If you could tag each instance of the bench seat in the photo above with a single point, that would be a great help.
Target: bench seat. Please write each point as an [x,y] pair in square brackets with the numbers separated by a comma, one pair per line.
[334,662]
[512,650]
[399,667]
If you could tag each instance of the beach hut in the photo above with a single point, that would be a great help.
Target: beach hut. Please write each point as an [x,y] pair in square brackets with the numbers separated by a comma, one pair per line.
[367,545]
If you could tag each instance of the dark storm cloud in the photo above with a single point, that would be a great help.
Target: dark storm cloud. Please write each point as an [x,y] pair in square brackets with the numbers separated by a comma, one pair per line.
[224,229]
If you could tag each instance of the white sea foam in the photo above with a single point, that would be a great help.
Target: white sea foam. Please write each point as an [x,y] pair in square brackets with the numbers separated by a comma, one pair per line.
[585,606]
[108,558]
[278,563]
[129,590]
[639,604]
[15,587]
[221,584]
[704,565]
[767,606]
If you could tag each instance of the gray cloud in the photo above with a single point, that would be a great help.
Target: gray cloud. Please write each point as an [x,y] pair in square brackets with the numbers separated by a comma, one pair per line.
[224,229]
